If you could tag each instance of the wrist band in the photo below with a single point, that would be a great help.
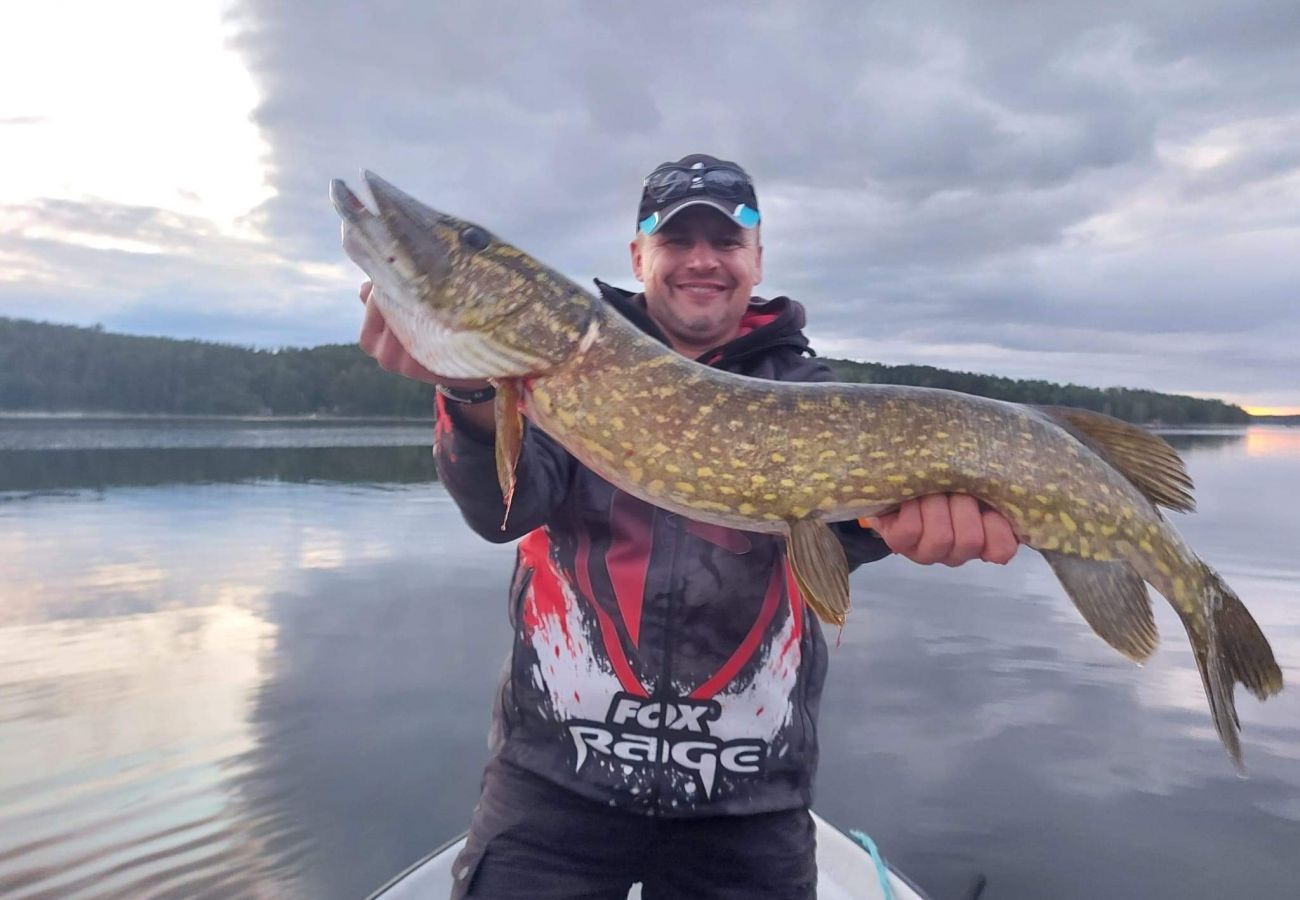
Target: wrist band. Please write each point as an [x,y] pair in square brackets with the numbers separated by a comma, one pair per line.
[460,395]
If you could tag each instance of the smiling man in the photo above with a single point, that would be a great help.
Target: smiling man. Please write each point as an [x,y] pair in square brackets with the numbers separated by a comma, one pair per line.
[657,717]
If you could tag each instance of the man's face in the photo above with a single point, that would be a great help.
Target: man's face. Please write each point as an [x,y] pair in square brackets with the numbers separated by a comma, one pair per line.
[699,271]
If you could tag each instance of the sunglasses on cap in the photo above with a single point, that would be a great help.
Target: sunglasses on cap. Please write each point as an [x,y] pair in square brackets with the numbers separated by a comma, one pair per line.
[672,182]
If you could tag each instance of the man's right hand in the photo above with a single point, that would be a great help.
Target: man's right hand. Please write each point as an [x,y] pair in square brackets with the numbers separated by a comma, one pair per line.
[379,342]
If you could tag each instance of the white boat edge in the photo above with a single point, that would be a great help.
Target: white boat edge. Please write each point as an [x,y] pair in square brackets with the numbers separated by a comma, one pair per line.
[845,871]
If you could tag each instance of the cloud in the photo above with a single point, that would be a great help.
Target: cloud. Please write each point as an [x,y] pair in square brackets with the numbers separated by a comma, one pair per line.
[1065,192]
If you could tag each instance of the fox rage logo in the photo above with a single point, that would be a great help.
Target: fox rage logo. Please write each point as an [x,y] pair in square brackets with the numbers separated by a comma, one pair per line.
[634,733]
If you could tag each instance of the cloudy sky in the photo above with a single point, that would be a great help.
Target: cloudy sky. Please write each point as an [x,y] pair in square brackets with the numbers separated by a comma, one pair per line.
[1104,193]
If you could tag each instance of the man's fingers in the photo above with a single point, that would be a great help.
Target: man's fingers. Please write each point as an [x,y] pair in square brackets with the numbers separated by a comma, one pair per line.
[1000,542]
[936,540]
[967,529]
[373,328]
[366,287]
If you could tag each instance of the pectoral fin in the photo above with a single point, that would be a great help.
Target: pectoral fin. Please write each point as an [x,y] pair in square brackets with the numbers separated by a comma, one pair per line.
[1113,599]
[510,438]
[820,568]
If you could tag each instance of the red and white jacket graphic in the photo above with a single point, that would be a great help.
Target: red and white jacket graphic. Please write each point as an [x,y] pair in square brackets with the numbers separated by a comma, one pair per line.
[659,664]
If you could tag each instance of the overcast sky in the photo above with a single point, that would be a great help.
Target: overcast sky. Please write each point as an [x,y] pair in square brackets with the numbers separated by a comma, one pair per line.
[1103,193]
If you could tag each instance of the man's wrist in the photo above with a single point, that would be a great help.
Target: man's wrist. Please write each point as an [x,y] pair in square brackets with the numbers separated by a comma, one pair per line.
[466,395]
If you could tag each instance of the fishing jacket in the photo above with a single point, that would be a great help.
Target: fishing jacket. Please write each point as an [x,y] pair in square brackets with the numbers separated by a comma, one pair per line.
[659,664]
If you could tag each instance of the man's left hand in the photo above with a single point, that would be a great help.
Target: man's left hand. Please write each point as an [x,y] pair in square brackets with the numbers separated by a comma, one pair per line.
[947,528]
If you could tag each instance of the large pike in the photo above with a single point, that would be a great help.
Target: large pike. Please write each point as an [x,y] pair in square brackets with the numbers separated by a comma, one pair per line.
[1081,488]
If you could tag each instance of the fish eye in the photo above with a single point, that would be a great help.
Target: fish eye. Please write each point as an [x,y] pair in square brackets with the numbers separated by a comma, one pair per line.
[475,238]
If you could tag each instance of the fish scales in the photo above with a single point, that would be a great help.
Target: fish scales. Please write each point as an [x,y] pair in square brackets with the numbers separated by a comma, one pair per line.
[754,454]
[1080,488]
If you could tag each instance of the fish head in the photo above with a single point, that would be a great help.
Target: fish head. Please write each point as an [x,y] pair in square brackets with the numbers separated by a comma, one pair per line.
[463,302]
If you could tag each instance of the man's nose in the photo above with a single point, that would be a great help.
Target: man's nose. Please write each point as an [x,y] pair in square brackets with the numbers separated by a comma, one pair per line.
[702,256]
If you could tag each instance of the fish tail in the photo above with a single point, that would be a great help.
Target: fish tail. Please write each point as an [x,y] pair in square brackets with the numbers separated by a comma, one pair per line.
[1230,649]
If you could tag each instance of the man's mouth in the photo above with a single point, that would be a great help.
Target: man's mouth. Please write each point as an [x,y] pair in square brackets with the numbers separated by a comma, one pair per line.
[702,289]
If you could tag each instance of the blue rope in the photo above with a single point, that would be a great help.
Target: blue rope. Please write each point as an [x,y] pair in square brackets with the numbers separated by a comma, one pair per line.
[882,871]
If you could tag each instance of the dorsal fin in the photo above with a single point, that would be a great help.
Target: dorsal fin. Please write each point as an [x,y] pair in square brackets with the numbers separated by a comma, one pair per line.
[1143,458]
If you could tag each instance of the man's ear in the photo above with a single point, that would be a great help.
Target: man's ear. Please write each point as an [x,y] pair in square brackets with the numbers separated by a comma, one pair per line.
[635,248]
[758,279]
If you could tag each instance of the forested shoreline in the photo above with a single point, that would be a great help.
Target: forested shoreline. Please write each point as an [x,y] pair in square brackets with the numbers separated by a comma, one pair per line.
[65,368]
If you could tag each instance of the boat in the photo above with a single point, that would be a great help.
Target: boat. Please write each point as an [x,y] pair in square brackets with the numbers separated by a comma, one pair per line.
[848,868]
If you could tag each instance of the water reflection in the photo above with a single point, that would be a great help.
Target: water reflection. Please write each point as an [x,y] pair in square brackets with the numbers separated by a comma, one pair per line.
[31,471]
[268,672]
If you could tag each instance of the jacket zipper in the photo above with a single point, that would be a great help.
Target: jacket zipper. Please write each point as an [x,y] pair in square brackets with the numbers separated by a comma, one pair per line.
[663,782]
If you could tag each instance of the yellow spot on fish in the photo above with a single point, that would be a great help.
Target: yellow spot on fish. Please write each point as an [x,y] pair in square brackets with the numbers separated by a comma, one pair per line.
[655,487]
[1067,521]
[746,509]
[726,489]
[778,457]
[758,479]
[1084,549]
[685,487]
[1163,567]
[941,434]
[820,476]
[1018,490]
[1108,530]
[826,454]
[771,517]
[704,472]
[787,482]
[1042,499]
[878,454]
[799,511]
[897,479]
[673,468]
[827,504]
[705,410]
[798,443]
[858,473]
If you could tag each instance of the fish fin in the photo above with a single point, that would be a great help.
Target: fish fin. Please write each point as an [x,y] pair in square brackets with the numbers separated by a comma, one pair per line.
[509,438]
[1112,598]
[1229,649]
[1145,459]
[820,568]
[1247,656]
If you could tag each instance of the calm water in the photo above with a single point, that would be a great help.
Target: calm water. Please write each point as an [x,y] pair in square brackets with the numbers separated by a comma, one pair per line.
[256,660]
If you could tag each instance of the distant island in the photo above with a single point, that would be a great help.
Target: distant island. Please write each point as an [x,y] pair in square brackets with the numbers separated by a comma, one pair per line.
[66,368]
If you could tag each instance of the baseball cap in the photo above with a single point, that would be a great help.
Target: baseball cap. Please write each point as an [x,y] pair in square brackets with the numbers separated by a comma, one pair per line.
[697,180]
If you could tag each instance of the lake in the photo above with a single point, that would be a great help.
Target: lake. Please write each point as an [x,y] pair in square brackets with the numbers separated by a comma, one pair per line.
[256,659]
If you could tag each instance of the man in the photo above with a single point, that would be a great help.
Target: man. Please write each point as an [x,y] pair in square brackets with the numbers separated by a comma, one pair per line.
[657,720]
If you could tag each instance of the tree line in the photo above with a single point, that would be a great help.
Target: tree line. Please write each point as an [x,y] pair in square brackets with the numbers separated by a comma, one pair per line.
[53,368]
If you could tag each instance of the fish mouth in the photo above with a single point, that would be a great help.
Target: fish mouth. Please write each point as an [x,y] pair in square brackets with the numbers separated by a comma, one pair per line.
[401,233]
[408,249]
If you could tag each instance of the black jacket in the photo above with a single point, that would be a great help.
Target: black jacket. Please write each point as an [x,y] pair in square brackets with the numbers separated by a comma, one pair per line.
[659,664]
